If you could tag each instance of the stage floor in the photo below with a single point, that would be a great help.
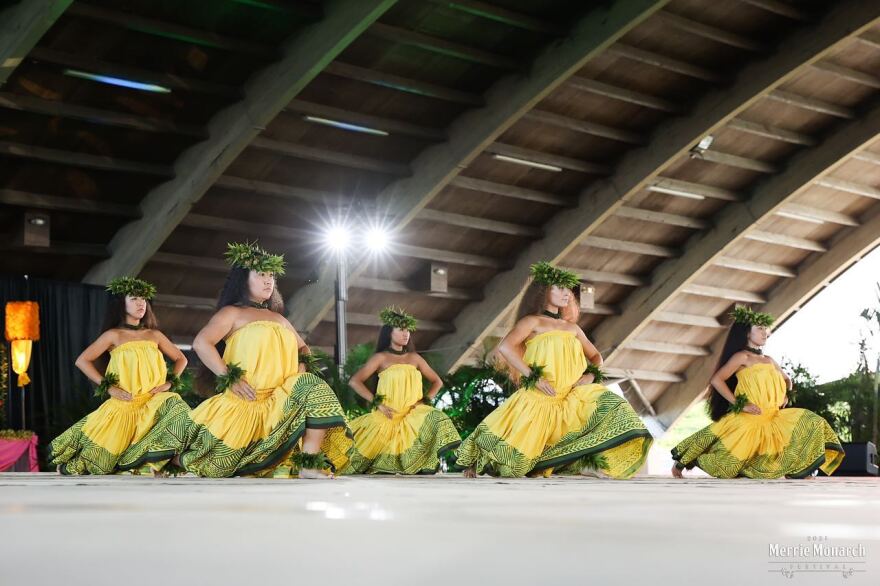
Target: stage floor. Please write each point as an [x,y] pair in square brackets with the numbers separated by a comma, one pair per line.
[431,530]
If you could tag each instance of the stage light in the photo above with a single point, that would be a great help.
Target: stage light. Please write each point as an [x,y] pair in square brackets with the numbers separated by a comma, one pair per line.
[527,163]
[378,239]
[338,238]
[117,81]
[345,125]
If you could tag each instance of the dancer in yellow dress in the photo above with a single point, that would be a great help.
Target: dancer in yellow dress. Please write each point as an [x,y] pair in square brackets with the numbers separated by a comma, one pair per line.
[754,434]
[269,411]
[561,419]
[404,434]
[144,422]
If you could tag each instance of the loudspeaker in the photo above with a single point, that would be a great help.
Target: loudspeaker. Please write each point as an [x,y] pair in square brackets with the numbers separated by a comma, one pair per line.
[860,460]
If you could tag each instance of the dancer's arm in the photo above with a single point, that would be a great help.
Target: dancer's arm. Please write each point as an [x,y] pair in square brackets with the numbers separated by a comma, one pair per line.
[302,349]
[86,363]
[173,352]
[428,373]
[205,346]
[592,355]
[788,382]
[719,381]
[358,383]
[515,339]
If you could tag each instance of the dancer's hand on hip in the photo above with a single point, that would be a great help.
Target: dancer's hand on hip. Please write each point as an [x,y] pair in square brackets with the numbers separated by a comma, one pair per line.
[244,390]
[545,387]
[752,408]
[387,411]
[118,393]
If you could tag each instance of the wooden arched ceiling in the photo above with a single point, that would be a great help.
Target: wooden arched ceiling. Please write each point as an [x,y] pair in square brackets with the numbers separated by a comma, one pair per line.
[612,94]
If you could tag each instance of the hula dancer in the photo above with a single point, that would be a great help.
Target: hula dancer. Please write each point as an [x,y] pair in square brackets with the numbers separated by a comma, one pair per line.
[561,419]
[144,422]
[404,434]
[267,410]
[754,435]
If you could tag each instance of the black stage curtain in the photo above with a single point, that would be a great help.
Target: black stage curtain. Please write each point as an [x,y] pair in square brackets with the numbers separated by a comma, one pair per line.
[70,319]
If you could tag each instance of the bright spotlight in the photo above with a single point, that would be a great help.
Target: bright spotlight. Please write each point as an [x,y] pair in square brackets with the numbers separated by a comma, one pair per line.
[378,239]
[337,238]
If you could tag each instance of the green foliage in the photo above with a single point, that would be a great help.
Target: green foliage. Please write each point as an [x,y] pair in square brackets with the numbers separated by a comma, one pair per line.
[131,287]
[111,379]
[186,390]
[545,273]
[531,381]
[598,376]
[326,369]
[248,255]
[471,392]
[745,315]
[739,404]
[304,461]
[234,373]
[398,318]
[823,400]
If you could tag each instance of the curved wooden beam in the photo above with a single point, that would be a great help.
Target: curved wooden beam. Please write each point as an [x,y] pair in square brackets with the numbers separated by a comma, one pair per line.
[639,169]
[306,54]
[472,132]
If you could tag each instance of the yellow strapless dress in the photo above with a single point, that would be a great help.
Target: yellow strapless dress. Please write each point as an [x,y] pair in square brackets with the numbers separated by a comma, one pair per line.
[779,442]
[236,437]
[409,443]
[580,427]
[123,435]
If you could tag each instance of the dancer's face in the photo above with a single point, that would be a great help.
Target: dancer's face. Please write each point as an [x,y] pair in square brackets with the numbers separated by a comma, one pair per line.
[135,307]
[558,296]
[260,285]
[400,337]
[572,311]
[758,335]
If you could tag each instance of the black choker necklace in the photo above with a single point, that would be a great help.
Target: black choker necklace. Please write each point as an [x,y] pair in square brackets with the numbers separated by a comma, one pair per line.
[131,327]
[255,305]
[758,351]
[398,352]
[551,314]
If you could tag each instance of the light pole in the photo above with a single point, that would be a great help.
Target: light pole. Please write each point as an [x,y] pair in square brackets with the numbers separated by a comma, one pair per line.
[338,239]
[341,300]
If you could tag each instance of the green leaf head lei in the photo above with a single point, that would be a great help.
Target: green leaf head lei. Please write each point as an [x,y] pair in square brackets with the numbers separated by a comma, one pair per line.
[248,255]
[398,318]
[546,274]
[131,287]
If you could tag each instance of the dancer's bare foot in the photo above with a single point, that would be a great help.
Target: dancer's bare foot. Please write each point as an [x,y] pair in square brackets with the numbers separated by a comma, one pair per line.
[676,472]
[315,474]
[594,473]
[469,473]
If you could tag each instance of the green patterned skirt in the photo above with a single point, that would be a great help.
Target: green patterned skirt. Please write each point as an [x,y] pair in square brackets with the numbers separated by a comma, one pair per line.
[124,435]
[534,434]
[236,437]
[410,443]
[790,442]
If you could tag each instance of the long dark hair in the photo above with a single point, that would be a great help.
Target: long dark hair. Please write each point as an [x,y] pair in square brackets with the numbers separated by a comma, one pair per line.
[235,292]
[383,342]
[737,340]
[115,314]
[534,300]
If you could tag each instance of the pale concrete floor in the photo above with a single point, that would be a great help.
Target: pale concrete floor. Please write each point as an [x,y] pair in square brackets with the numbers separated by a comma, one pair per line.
[425,530]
